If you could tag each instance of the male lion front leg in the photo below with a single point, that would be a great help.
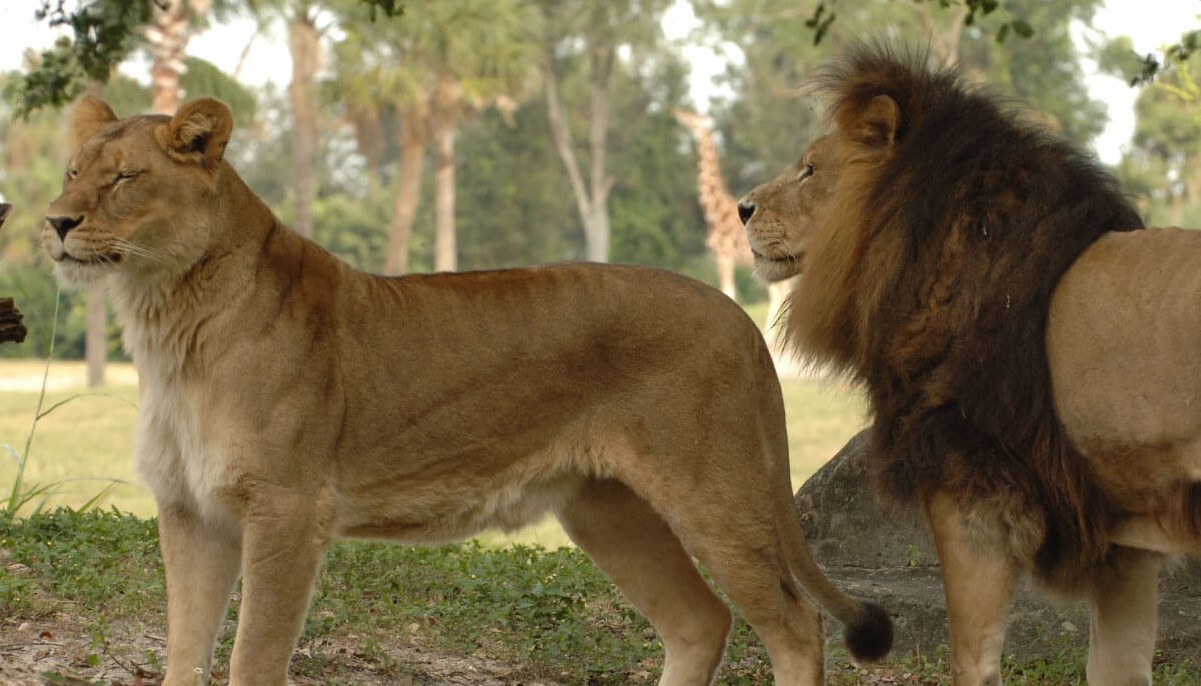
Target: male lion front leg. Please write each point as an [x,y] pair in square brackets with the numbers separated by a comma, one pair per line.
[979,577]
[281,551]
[201,564]
[1123,604]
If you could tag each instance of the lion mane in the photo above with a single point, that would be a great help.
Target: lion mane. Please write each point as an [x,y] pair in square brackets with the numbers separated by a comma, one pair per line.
[934,292]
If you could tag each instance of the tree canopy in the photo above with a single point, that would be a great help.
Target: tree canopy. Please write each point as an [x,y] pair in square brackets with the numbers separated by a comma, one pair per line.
[386,67]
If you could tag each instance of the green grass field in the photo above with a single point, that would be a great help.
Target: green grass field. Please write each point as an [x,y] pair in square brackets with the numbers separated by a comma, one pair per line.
[86,442]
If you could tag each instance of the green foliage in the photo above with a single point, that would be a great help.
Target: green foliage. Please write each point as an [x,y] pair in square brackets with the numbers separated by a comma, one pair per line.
[548,613]
[103,34]
[824,15]
[100,559]
[1161,164]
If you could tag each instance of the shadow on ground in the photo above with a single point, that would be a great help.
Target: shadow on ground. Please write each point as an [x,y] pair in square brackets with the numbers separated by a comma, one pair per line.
[889,556]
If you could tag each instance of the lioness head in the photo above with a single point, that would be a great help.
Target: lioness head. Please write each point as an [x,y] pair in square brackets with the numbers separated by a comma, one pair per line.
[136,192]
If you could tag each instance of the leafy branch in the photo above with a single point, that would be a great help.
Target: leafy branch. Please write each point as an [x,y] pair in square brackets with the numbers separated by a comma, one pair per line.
[824,15]
[103,33]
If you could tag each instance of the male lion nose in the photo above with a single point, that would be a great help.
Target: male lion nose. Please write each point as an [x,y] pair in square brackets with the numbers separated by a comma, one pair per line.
[62,225]
[745,211]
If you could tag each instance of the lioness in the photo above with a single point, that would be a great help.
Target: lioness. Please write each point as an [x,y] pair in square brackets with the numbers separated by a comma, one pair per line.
[1029,349]
[288,400]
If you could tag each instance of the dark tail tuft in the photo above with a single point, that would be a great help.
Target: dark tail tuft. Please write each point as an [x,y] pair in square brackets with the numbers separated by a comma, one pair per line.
[870,638]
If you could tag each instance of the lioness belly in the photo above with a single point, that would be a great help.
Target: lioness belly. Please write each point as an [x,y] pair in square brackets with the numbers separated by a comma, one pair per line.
[442,512]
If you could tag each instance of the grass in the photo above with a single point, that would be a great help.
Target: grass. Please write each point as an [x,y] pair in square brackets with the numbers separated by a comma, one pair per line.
[549,614]
[79,447]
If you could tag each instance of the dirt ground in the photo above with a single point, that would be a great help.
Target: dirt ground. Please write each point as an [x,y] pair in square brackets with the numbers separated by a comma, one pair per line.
[56,651]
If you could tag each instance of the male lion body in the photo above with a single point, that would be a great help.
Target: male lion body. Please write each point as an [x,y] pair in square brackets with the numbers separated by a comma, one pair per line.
[288,400]
[1030,354]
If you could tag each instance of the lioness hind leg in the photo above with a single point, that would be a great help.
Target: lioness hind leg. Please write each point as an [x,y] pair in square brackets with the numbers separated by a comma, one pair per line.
[1123,604]
[752,572]
[632,544]
[202,566]
[979,577]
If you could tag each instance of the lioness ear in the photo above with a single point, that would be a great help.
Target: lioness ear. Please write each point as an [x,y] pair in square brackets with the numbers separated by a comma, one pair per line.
[878,123]
[201,126]
[91,115]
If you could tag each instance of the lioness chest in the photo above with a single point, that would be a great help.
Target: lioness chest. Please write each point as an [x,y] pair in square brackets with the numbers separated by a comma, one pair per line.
[177,457]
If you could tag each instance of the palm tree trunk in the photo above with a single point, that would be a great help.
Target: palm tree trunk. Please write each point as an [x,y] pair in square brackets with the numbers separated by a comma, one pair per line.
[413,136]
[168,37]
[445,252]
[304,45]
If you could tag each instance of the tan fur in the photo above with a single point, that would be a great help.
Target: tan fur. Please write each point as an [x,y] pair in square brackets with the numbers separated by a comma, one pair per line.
[288,400]
[1122,332]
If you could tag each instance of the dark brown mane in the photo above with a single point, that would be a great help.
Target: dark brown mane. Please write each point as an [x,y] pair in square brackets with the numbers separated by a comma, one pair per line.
[963,231]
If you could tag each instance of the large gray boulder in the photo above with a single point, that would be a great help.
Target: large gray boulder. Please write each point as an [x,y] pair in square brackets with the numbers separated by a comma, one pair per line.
[889,556]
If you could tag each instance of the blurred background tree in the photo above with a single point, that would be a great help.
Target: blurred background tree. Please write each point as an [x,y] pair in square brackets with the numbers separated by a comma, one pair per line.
[546,123]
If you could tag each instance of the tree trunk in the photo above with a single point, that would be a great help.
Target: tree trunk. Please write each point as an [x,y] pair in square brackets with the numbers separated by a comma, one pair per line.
[591,200]
[445,251]
[596,224]
[304,45]
[96,336]
[12,328]
[168,39]
[413,137]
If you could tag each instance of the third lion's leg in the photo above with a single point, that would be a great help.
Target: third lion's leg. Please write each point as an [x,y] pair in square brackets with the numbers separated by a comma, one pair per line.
[632,544]
[1123,604]
[979,578]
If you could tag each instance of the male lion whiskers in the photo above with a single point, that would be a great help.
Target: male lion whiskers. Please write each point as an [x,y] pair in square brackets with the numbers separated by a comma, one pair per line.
[288,400]
[1029,353]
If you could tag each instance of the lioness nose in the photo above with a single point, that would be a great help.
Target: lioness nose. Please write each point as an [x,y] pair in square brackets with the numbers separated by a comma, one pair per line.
[745,211]
[62,225]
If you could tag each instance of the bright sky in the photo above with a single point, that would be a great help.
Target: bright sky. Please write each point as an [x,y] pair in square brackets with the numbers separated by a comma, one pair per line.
[268,60]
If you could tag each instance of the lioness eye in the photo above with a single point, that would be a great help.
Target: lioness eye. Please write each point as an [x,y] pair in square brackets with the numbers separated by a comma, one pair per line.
[72,172]
[126,174]
[810,168]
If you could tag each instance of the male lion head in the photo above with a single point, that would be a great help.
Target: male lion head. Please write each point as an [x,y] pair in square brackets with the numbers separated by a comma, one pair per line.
[780,215]
[130,187]
[805,219]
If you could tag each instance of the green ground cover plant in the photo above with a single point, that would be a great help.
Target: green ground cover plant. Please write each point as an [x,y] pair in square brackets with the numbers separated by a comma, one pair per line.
[549,614]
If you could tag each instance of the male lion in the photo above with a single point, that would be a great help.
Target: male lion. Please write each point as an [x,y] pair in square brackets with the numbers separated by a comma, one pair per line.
[288,400]
[1033,373]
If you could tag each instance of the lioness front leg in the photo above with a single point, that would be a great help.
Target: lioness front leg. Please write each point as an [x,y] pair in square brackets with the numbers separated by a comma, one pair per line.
[281,552]
[202,565]
[1123,604]
[979,577]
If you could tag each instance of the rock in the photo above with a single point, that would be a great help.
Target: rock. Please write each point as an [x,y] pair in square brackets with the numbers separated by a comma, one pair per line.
[889,556]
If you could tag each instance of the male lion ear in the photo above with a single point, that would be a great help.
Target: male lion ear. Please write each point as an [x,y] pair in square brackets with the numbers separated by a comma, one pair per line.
[91,115]
[202,127]
[878,123]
